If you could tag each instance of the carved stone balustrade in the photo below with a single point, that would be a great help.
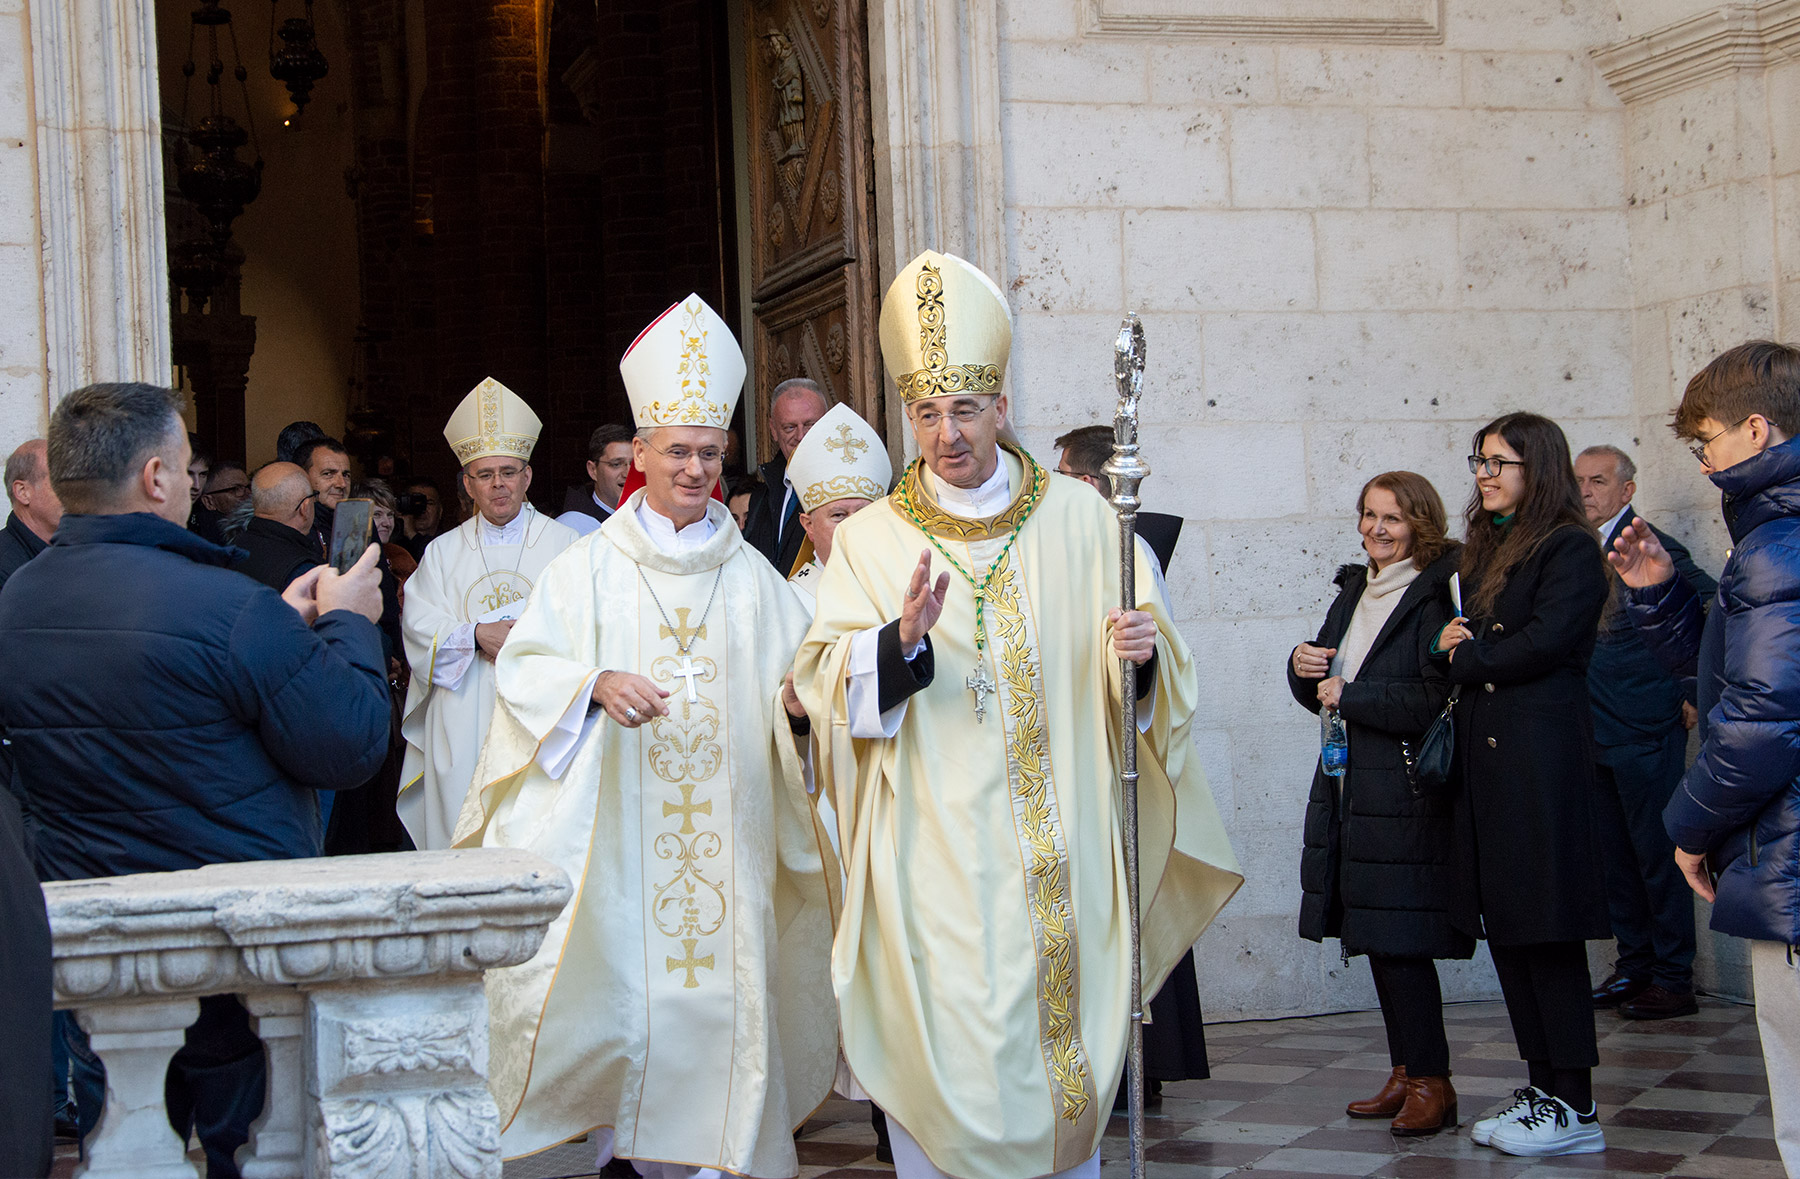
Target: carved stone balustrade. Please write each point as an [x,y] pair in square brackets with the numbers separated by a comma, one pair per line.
[362,975]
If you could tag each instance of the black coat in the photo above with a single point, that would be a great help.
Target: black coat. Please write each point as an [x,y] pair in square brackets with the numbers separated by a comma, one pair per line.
[274,554]
[167,713]
[25,996]
[762,522]
[18,544]
[1529,864]
[1376,870]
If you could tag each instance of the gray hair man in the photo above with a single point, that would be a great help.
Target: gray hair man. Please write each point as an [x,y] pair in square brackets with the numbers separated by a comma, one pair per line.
[772,526]
[35,509]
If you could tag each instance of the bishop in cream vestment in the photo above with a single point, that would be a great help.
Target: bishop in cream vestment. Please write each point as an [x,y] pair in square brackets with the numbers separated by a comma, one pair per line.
[681,1003]
[982,959]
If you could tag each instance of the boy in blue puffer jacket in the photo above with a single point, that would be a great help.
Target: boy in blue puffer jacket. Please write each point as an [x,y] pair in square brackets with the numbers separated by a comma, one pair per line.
[1736,816]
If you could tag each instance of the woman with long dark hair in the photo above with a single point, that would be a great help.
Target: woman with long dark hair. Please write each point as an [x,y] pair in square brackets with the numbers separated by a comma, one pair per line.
[1376,870]
[1534,586]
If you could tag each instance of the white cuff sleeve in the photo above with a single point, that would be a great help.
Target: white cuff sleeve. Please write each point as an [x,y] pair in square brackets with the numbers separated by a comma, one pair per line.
[863,688]
[1146,709]
[559,745]
[454,655]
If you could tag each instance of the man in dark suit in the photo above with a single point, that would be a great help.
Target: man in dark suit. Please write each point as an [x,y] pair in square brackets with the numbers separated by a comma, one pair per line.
[772,526]
[1083,456]
[1641,719]
[35,509]
[278,545]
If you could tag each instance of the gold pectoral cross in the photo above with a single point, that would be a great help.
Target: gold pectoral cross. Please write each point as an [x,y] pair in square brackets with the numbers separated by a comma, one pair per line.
[687,808]
[690,963]
[683,634]
[979,683]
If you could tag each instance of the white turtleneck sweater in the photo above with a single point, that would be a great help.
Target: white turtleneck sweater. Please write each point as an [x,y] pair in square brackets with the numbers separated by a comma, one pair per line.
[1379,597]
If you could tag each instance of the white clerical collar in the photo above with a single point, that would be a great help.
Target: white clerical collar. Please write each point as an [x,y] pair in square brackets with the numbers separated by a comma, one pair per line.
[664,535]
[512,532]
[990,499]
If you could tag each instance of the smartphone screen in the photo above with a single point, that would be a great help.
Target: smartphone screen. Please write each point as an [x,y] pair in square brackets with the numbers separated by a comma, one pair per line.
[351,530]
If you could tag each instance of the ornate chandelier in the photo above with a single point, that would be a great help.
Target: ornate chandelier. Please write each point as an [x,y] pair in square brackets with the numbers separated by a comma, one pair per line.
[298,63]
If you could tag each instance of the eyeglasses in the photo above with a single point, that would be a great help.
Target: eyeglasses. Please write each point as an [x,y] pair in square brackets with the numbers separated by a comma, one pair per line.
[234,489]
[709,456]
[931,419]
[1699,451]
[488,476]
[1482,465]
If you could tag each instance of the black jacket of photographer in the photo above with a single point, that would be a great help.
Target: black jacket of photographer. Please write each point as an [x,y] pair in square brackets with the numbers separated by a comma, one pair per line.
[1529,864]
[1376,870]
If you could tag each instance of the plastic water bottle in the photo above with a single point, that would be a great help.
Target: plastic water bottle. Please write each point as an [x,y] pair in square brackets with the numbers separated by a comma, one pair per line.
[1334,743]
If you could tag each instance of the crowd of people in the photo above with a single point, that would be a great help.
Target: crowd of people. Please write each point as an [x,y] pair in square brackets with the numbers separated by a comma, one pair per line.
[805,861]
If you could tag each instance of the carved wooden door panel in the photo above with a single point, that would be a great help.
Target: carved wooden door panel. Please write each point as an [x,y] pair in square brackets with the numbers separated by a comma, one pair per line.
[812,252]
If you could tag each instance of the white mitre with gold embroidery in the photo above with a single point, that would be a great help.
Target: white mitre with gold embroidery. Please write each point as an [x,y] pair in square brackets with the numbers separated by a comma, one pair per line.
[685,369]
[841,457]
[945,329]
[492,420]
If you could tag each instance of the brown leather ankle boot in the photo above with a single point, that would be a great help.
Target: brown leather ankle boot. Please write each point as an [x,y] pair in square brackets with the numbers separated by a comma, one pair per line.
[1430,1107]
[1386,1103]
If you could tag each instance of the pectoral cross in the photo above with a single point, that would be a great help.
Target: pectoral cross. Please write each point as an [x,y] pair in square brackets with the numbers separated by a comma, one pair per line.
[687,808]
[683,635]
[690,963]
[981,685]
[688,672]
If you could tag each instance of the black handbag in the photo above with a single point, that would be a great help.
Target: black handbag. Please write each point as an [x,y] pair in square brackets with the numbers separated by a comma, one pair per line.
[1428,761]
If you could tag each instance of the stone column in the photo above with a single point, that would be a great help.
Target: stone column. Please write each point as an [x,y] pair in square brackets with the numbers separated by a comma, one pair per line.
[99,137]
[274,1150]
[135,1042]
[396,1074]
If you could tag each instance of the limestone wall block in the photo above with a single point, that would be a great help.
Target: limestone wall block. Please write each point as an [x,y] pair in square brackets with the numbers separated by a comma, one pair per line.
[1376,259]
[1255,967]
[1703,326]
[1552,81]
[1787,225]
[1063,154]
[1496,159]
[1273,761]
[1294,157]
[18,199]
[1701,241]
[1544,260]
[1064,259]
[1213,748]
[23,413]
[1040,20]
[21,340]
[17,114]
[1073,71]
[1205,260]
[1060,375]
[1369,76]
[1529,24]
[1783,82]
[1694,139]
[1243,675]
[1342,457]
[1268,568]
[1652,377]
[1226,472]
[1208,73]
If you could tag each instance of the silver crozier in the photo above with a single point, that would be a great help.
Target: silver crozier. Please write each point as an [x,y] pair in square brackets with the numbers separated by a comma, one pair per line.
[1127,469]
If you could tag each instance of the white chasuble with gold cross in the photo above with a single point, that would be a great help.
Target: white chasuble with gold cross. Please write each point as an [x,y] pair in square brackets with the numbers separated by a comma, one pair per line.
[462,579]
[982,961]
[682,998]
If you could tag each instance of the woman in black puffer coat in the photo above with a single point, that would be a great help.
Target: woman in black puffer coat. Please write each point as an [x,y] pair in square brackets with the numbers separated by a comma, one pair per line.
[1376,869]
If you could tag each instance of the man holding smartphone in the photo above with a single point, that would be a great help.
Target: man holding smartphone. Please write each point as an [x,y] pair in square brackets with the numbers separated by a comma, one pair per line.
[1736,813]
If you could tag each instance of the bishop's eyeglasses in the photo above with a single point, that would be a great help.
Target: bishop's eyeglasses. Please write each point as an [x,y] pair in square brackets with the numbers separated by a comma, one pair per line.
[710,456]
[931,419]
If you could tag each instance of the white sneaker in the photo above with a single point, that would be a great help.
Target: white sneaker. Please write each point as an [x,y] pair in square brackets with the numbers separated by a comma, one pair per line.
[1523,1100]
[1550,1127]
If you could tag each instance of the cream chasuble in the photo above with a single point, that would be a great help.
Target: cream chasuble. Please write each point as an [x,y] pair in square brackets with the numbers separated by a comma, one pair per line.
[683,997]
[982,958]
[460,580]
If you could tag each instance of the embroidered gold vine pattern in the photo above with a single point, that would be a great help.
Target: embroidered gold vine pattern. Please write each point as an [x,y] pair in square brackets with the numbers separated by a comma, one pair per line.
[691,407]
[826,491]
[939,377]
[1039,823]
[911,500]
[686,752]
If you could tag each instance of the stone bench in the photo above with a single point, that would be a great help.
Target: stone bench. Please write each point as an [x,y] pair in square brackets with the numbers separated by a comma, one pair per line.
[362,975]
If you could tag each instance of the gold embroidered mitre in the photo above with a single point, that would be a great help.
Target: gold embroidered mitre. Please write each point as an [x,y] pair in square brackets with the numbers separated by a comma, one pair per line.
[945,329]
[841,457]
[685,369]
[492,420]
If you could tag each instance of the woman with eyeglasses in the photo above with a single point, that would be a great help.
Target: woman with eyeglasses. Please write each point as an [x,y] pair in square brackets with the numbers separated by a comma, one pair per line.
[1533,589]
[1375,871]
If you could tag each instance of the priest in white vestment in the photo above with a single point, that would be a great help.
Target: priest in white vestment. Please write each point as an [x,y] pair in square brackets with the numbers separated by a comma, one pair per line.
[461,603]
[968,730]
[646,742]
[838,469]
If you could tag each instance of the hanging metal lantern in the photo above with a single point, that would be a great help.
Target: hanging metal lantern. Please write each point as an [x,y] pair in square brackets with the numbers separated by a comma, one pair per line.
[209,172]
[297,64]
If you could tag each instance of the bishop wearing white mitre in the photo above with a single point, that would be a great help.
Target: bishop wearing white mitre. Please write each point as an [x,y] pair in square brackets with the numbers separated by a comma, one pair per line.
[839,468]
[470,587]
[680,1007]
[967,726]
